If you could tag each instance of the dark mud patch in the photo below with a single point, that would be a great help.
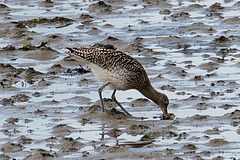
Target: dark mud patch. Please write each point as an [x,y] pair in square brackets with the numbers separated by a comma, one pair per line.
[217,142]
[213,131]
[100,7]
[62,21]
[222,41]
[11,147]
[193,7]
[139,102]
[3,6]
[108,102]
[199,117]
[216,7]
[41,154]
[6,68]
[70,144]
[62,130]
[8,48]
[233,115]
[188,48]
[25,140]
[189,147]
[180,16]
[95,112]
[198,27]
[210,66]
[137,129]
[42,54]
[57,68]
[14,99]
[74,71]
[37,52]
[232,21]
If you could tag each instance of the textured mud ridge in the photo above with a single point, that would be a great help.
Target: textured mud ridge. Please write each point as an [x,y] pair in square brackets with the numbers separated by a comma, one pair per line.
[49,105]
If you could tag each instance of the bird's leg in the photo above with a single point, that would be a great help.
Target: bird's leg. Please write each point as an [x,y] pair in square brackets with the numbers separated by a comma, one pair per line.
[115,100]
[100,95]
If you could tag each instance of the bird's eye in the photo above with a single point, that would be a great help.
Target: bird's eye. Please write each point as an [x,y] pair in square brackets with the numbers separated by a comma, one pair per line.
[166,104]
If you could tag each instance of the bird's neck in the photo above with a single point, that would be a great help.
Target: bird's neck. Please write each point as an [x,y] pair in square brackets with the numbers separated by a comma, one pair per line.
[150,92]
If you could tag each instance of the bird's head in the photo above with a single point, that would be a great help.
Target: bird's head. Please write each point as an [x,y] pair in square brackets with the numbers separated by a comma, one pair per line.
[163,102]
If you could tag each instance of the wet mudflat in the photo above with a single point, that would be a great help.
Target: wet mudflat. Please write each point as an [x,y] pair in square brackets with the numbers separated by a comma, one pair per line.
[49,105]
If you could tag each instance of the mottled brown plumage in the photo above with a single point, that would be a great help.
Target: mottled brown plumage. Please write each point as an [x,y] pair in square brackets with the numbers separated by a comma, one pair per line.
[120,71]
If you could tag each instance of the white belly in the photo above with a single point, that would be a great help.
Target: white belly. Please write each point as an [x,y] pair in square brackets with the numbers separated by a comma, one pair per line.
[116,81]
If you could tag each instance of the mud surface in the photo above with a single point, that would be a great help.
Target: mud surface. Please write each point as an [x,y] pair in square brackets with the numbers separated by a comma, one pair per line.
[49,105]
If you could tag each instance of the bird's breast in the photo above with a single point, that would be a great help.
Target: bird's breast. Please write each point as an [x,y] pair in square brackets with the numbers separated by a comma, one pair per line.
[117,78]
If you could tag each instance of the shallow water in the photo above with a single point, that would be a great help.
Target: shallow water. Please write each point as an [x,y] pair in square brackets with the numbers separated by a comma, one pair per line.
[182,54]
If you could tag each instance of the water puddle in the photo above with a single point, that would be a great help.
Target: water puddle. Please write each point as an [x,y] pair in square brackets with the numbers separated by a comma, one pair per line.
[190,53]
